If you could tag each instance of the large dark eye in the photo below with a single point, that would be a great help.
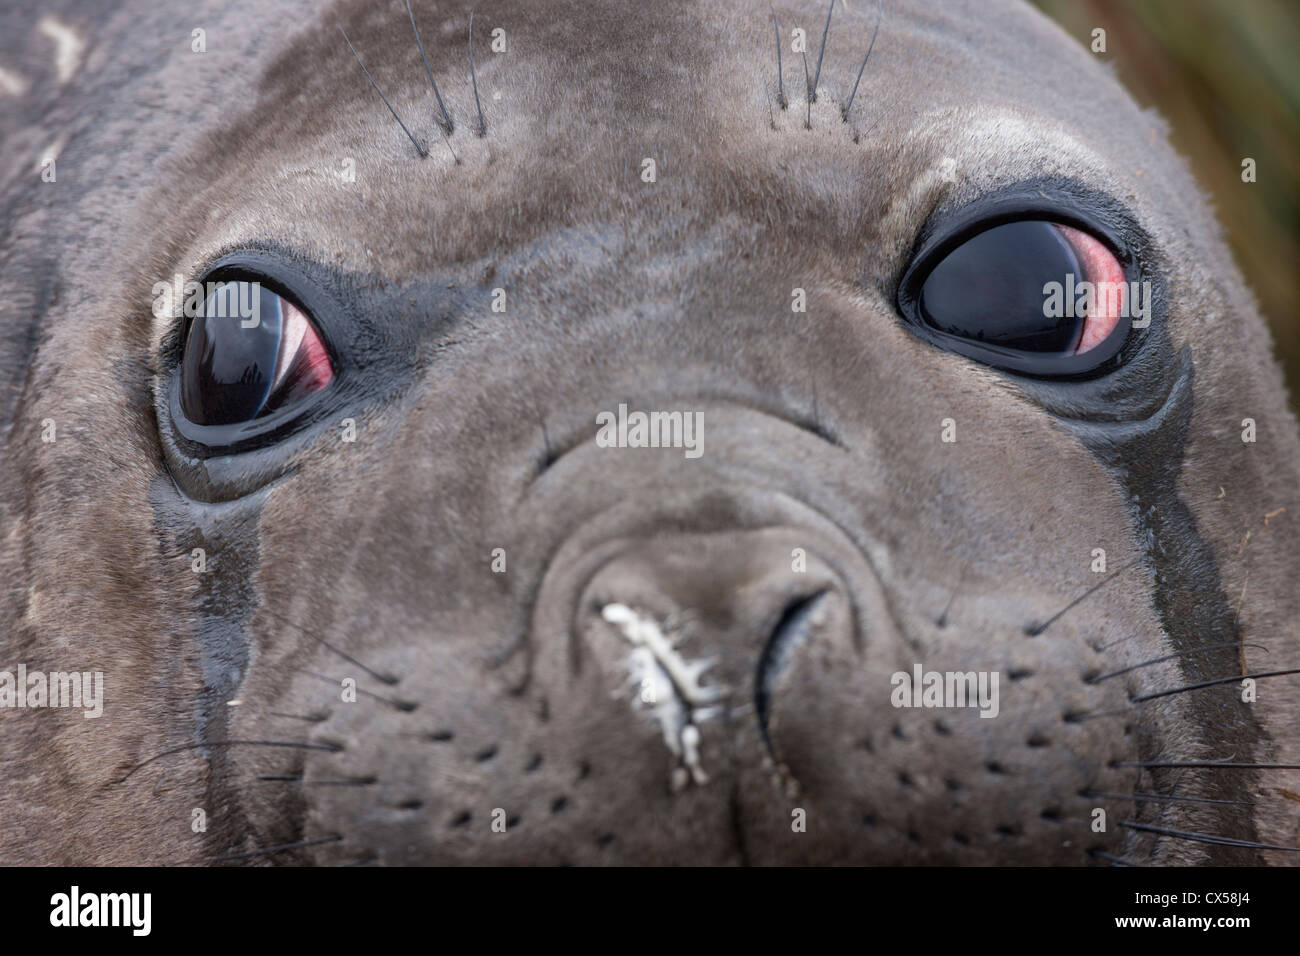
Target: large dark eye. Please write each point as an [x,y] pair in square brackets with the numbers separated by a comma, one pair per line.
[1030,295]
[250,352]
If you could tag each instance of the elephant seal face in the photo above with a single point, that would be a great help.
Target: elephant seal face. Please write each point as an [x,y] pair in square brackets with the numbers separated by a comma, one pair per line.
[442,605]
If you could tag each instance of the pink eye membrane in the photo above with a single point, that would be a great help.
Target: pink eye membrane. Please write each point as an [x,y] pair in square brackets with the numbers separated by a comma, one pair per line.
[1030,295]
[1032,286]
[239,367]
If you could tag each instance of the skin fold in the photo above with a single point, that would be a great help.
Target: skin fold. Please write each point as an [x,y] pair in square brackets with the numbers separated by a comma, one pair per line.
[360,545]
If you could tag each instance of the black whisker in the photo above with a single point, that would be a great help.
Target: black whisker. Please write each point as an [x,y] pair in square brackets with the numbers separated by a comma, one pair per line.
[1213,683]
[780,84]
[1033,630]
[438,96]
[330,748]
[310,718]
[1078,718]
[1216,764]
[1113,860]
[857,136]
[1205,837]
[419,147]
[282,848]
[382,678]
[454,158]
[849,105]
[482,126]
[1115,643]
[1147,797]
[821,52]
[403,705]
[1170,657]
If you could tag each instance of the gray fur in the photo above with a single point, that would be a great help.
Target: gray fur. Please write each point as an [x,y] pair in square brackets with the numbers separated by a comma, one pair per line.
[474,432]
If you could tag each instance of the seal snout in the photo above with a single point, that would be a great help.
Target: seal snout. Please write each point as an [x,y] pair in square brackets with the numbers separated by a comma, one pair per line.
[715,640]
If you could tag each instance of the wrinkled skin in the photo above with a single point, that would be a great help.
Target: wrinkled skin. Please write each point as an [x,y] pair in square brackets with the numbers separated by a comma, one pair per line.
[487,694]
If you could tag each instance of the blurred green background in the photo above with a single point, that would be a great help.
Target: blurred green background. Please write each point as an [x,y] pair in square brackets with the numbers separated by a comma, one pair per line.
[1226,75]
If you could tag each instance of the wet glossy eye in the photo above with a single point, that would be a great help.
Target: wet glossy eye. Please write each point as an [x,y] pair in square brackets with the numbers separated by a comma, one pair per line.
[1020,286]
[248,353]
[1029,295]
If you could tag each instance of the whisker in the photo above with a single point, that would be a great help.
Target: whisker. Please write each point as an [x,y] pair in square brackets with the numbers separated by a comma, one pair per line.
[1115,643]
[780,84]
[1213,683]
[1078,718]
[282,848]
[1215,764]
[857,136]
[330,748]
[821,52]
[389,679]
[310,718]
[419,147]
[1206,837]
[1170,657]
[438,96]
[1033,630]
[403,705]
[849,105]
[482,126]
[1151,797]
[1114,860]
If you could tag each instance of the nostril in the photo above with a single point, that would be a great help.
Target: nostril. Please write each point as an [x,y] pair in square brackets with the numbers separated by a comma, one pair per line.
[790,631]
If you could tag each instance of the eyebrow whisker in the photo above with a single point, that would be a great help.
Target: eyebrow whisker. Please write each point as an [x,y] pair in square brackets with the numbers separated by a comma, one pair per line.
[419,147]
[482,126]
[821,52]
[780,84]
[438,96]
[849,105]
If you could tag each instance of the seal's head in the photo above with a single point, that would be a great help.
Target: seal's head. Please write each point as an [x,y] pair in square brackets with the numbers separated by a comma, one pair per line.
[669,459]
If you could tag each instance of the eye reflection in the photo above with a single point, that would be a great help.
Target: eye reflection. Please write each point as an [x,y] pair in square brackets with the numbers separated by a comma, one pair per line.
[996,289]
[249,353]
